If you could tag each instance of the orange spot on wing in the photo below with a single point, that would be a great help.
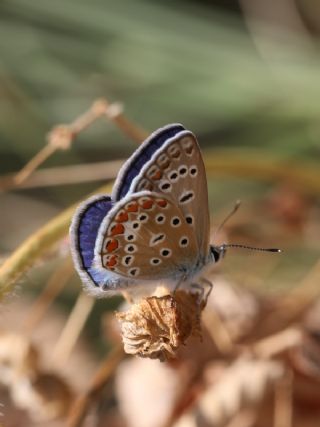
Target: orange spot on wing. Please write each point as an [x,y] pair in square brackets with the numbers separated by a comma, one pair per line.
[112,245]
[117,229]
[112,261]
[147,204]
[157,175]
[162,203]
[122,216]
[133,207]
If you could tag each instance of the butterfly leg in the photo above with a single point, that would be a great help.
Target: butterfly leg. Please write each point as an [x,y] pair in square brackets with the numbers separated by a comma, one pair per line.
[179,283]
[210,287]
[201,287]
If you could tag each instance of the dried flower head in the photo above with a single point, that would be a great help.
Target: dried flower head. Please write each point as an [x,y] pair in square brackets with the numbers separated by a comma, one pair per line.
[156,326]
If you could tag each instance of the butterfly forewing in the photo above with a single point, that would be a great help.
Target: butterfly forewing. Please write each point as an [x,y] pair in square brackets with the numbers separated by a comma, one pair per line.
[146,236]
[177,170]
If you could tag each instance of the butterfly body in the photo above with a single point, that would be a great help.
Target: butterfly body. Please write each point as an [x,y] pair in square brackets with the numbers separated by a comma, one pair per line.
[155,225]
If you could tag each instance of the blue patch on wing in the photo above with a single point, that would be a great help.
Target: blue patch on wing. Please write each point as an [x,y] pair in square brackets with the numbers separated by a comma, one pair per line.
[89,222]
[141,156]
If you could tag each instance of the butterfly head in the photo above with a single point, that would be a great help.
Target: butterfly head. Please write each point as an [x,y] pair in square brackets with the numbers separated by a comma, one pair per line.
[217,252]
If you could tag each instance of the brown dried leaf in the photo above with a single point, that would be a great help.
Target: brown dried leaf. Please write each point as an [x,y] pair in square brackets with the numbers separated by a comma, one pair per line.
[156,326]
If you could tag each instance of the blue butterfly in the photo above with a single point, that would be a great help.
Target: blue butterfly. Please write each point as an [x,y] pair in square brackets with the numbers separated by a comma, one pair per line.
[155,225]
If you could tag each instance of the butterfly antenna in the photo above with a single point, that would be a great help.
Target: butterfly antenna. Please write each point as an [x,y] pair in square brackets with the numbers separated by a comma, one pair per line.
[230,214]
[233,245]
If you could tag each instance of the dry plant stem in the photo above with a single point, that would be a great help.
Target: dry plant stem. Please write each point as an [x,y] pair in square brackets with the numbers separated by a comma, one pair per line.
[127,297]
[218,331]
[62,136]
[66,175]
[283,401]
[54,286]
[72,329]
[134,132]
[277,343]
[303,177]
[33,164]
[245,418]
[102,376]
[36,246]
[306,178]
[300,298]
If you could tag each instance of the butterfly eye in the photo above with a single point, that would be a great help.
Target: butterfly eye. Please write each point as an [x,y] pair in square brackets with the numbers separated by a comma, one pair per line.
[183,242]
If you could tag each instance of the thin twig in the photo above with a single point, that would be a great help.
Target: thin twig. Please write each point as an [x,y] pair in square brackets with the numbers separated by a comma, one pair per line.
[102,376]
[66,175]
[218,331]
[33,164]
[72,329]
[278,343]
[283,405]
[62,136]
[54,286]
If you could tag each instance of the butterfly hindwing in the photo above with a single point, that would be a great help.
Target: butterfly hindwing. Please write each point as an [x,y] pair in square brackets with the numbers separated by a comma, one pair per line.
[145,236]
[83,236]
[177,170]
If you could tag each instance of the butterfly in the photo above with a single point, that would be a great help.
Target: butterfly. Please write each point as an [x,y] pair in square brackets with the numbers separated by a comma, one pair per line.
[155,224]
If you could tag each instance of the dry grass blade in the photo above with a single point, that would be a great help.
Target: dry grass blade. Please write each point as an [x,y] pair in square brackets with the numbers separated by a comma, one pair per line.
[54,286]
[278,343]
[72,329]
[62,136]
[64,175]
[102,376]
[35,246]
[283,401]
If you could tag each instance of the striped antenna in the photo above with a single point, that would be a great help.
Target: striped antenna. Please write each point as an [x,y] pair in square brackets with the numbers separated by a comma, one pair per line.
[234,245]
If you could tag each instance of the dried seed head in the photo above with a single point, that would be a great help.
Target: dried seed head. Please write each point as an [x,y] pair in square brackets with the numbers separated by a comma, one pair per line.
[157,326]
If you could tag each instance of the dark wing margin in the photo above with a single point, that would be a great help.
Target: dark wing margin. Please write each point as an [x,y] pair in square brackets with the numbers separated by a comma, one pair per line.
[140,157]
[83,235]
